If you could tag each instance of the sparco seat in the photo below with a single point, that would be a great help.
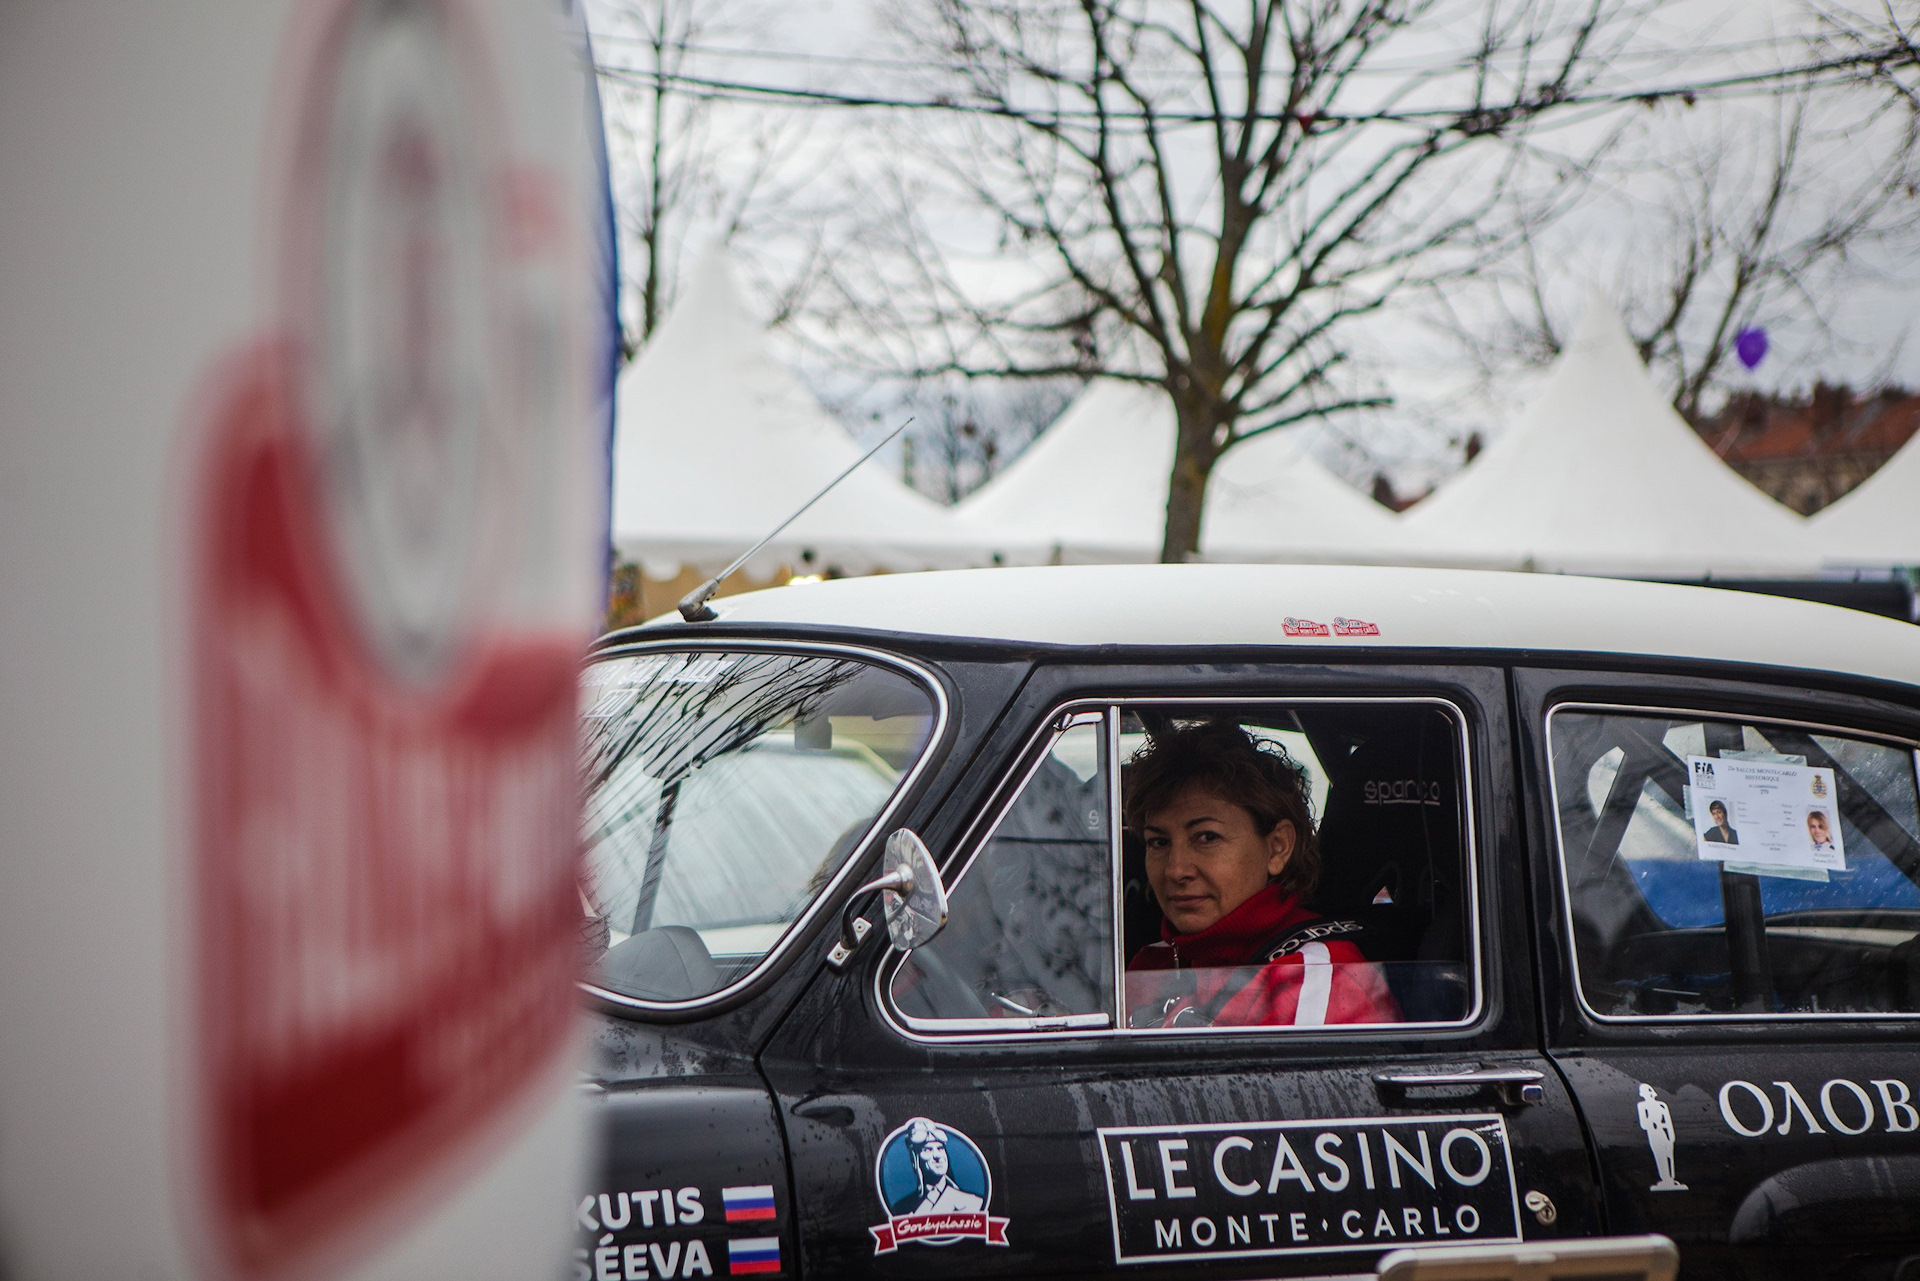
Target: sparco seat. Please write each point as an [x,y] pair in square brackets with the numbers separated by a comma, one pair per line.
[1392,858]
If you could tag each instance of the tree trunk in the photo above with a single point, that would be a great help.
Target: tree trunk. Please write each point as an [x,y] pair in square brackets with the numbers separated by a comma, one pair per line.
[1194,454]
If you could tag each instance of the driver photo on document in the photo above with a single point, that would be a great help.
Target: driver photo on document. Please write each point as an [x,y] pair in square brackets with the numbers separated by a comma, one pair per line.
[1819,832]
[1231,858]
[1722,831]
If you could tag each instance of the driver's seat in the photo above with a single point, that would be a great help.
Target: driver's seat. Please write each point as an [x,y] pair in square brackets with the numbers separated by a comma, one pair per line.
[1391,858]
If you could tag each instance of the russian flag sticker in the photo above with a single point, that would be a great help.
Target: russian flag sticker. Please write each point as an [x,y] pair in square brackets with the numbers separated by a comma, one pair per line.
[747,1204]
[753,1254]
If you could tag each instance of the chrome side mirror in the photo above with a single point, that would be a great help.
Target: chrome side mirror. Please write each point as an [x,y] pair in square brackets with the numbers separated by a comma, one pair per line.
[916,908]
[912,899]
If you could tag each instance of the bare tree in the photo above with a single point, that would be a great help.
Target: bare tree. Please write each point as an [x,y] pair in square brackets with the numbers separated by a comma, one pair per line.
[1880,45]
[688,168]
[1205,196]
[1740,214]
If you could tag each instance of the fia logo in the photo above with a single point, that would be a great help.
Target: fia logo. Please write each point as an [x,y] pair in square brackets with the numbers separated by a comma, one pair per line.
[1703,775]
[935,1185]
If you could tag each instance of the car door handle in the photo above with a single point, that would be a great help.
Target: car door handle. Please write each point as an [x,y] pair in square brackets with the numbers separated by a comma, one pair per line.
[824,1110]
[1515,1085]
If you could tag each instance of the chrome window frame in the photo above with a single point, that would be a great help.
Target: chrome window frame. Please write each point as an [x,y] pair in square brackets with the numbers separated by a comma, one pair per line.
[801,925]
[974,841]
[1566,891]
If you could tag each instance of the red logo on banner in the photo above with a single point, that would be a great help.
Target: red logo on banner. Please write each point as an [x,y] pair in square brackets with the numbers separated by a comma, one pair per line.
[908,1228]
[387,907]
[1354,627]
[1302,627]
[385,671]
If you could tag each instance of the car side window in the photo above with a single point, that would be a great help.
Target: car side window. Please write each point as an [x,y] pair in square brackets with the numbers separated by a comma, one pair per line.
[1369,919]
[1029,933]
[1272,864]
[1720,868]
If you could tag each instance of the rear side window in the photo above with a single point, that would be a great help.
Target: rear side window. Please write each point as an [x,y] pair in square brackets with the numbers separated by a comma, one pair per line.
[1736,867]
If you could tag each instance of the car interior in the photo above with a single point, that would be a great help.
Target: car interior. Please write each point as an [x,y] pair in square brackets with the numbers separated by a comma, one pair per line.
[1030,933]
[1392,841]
[1661,932]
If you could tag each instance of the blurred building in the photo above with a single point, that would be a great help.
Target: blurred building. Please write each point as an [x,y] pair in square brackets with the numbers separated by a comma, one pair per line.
[1809,451]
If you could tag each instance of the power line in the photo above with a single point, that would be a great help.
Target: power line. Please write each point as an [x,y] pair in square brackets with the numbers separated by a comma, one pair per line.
[1692,53]
[1781,79]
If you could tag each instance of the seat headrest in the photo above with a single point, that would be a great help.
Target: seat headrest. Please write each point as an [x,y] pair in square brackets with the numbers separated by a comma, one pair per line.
[665,963]
[1392,818]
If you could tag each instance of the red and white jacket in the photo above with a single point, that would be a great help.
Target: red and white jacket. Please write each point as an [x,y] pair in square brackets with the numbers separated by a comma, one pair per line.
[1262,964]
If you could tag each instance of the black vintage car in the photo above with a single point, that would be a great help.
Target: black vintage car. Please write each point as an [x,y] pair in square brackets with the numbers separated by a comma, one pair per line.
[1638,868]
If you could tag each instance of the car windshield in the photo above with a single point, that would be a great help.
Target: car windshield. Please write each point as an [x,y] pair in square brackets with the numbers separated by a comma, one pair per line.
[724,791]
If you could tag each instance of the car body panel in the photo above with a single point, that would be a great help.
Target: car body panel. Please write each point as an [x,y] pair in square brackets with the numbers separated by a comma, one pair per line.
[692,1182]
[1221,606]
[847,1077]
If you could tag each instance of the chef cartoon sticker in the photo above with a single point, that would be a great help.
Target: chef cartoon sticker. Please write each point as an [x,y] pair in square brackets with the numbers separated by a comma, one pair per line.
[935,1186]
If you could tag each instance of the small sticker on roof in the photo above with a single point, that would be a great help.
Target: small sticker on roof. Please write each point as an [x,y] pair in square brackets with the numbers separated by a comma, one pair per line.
[1354,627]
[1303,627]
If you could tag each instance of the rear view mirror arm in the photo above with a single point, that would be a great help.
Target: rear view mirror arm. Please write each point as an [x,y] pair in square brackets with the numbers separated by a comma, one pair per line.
[854,928]
[913,900]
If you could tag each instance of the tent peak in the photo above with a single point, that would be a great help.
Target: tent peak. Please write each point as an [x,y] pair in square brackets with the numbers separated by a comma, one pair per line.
[1599,473]
[1600,327]
[710,313]
[716,441]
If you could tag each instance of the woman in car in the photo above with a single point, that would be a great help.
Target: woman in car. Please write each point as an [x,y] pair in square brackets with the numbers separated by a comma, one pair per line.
[1231,858]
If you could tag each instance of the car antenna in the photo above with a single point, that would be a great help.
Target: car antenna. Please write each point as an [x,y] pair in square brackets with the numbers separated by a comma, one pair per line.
[694,607]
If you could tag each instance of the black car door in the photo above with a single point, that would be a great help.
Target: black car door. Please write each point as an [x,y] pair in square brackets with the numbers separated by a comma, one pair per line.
[985,1105]
[1730,881]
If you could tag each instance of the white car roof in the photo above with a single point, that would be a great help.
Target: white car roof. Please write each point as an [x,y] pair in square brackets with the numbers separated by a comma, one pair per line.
[1412,608]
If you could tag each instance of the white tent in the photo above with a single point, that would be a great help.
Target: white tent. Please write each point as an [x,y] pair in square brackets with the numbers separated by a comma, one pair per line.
[1879,522]
[1270,501]
[1093,488]
[715,443]
[1600,475]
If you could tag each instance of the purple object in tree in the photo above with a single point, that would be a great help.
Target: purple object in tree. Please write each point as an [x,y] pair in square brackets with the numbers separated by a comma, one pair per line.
[1751,346]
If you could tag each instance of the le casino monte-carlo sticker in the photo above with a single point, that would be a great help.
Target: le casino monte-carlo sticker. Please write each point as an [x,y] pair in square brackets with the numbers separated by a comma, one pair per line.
[1270,1188]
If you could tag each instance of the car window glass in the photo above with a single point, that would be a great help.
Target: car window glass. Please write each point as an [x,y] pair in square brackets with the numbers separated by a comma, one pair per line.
[1782,882]
[1886,773]
[1379,933]
[1030,928]
[723,791]
[1383,933]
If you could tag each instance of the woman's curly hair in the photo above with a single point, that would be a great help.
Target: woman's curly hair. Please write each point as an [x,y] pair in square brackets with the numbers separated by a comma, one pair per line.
[1223,760]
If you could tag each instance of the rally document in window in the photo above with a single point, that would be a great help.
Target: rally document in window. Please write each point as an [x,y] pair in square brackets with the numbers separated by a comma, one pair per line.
[1766,813]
